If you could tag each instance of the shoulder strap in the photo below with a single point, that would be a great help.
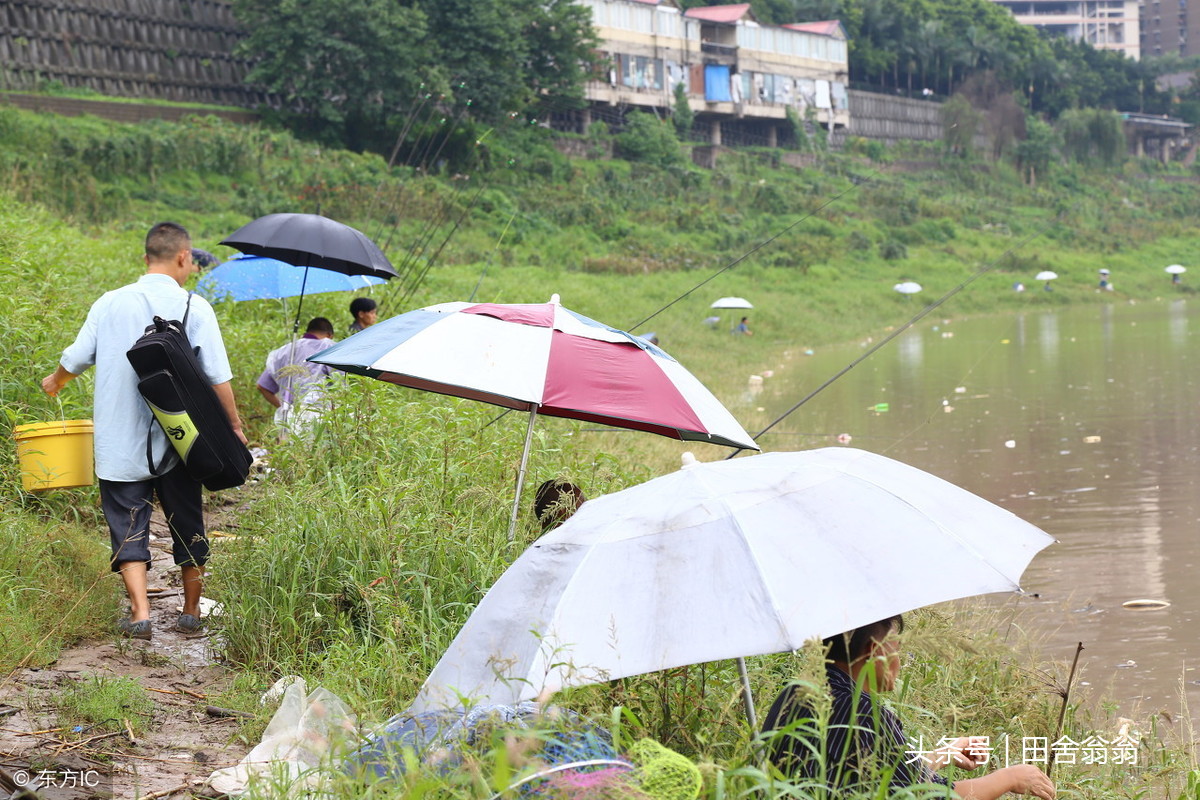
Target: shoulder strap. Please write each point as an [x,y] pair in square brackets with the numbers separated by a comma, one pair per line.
[186,311]
[154,471]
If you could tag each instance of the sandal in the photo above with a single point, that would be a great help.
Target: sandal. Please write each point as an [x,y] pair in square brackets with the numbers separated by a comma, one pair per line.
[188,624]
[134,630]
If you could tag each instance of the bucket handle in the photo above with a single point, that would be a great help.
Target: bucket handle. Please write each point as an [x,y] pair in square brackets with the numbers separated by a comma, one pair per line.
[62,413]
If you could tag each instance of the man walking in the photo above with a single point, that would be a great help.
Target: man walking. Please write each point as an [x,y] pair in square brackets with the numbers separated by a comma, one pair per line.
[292,384]
[134,461]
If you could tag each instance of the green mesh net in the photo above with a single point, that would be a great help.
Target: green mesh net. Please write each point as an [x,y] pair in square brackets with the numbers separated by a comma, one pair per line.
[664,774]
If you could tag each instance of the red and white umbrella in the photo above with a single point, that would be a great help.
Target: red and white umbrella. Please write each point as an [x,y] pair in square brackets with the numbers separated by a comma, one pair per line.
[541,358]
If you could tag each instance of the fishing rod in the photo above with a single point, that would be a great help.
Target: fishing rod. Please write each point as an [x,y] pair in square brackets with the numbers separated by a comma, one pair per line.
[854,184]
[429,262]
[414,121]
[427,159]
[400,137]
[421,243]
[417,159]
[986,268]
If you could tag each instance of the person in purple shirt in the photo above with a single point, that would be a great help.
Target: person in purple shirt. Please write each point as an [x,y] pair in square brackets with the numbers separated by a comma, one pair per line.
[293,384]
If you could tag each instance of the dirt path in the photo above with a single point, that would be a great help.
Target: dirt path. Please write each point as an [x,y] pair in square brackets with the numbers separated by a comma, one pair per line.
[181,745]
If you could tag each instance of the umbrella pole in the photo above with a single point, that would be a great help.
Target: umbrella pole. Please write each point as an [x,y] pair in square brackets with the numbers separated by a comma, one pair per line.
[292,348]
[747,695]
[300,304]
[512,522]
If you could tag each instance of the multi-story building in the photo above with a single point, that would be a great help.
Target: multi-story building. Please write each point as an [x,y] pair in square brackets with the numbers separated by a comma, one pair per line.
[1168,27]
[1104,24]
[740,77]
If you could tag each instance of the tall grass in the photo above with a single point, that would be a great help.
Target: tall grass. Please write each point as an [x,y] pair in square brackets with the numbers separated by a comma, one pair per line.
[361,553]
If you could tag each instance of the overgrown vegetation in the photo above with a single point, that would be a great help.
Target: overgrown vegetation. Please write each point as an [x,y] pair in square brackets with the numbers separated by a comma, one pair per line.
[101,703]
[360,555]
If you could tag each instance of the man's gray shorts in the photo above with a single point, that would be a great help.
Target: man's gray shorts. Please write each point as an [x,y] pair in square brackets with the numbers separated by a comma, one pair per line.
[127,510]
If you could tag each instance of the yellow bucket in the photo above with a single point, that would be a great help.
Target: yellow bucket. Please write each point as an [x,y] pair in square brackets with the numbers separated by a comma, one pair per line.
[55,455]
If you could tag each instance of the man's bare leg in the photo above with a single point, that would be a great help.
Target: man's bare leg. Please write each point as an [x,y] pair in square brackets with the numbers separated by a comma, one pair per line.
[193,583]
[133,574]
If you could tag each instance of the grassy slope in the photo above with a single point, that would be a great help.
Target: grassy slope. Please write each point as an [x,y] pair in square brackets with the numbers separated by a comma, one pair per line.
[362,555]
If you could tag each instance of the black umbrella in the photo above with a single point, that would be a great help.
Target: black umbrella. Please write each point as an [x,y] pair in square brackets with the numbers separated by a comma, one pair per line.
[310,240]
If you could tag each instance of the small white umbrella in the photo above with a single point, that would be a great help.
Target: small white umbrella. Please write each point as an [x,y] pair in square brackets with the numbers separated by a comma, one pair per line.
[1176,269]
[724,560]
[1046,275]
[732,302]
[907,287]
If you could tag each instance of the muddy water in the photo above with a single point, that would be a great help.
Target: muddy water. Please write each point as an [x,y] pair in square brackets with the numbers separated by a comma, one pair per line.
[1082,421]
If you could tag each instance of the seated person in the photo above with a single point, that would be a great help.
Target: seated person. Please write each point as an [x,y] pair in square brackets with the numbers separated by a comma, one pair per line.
[555,501]
[860,663]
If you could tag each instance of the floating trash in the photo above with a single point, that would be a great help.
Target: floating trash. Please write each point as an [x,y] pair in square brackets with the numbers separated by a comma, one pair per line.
[1010,444]
[960,390]
[1126,664]
[1091,439]
[844,438]
[881,408]
[1145,603]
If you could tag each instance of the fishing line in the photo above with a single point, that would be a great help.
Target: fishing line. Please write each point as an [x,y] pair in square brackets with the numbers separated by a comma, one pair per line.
[962,379]
[429,262]
[488,263]
[986,268]
[419,123]
[404,129]
[738,260]
[410,281]
[427,158]
[758,247]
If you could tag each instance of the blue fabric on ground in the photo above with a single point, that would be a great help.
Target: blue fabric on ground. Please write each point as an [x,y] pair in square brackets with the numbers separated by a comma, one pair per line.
[446,734]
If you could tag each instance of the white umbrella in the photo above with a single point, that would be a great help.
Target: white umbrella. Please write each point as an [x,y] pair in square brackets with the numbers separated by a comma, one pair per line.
[907,287]
[724,560]
[1046,275]
[732,302]
[1176,269]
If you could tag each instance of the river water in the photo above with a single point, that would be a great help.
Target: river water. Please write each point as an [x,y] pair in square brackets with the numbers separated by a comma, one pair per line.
[1081,421]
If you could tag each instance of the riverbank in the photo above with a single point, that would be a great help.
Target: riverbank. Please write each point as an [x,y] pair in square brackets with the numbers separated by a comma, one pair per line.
[360,557]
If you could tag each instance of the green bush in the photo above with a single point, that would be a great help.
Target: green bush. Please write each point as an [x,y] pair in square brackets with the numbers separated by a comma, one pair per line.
[648,139]
[893,250]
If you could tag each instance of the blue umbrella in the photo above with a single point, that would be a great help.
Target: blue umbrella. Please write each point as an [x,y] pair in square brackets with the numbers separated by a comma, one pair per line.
[255,278]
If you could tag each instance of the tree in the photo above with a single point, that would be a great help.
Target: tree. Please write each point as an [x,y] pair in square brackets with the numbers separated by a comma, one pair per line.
[350,70]
[683,116]
[646,138]
[1035,153]
[1092,135]
[343,67]
[506,55]
[960,122]
[560,50]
